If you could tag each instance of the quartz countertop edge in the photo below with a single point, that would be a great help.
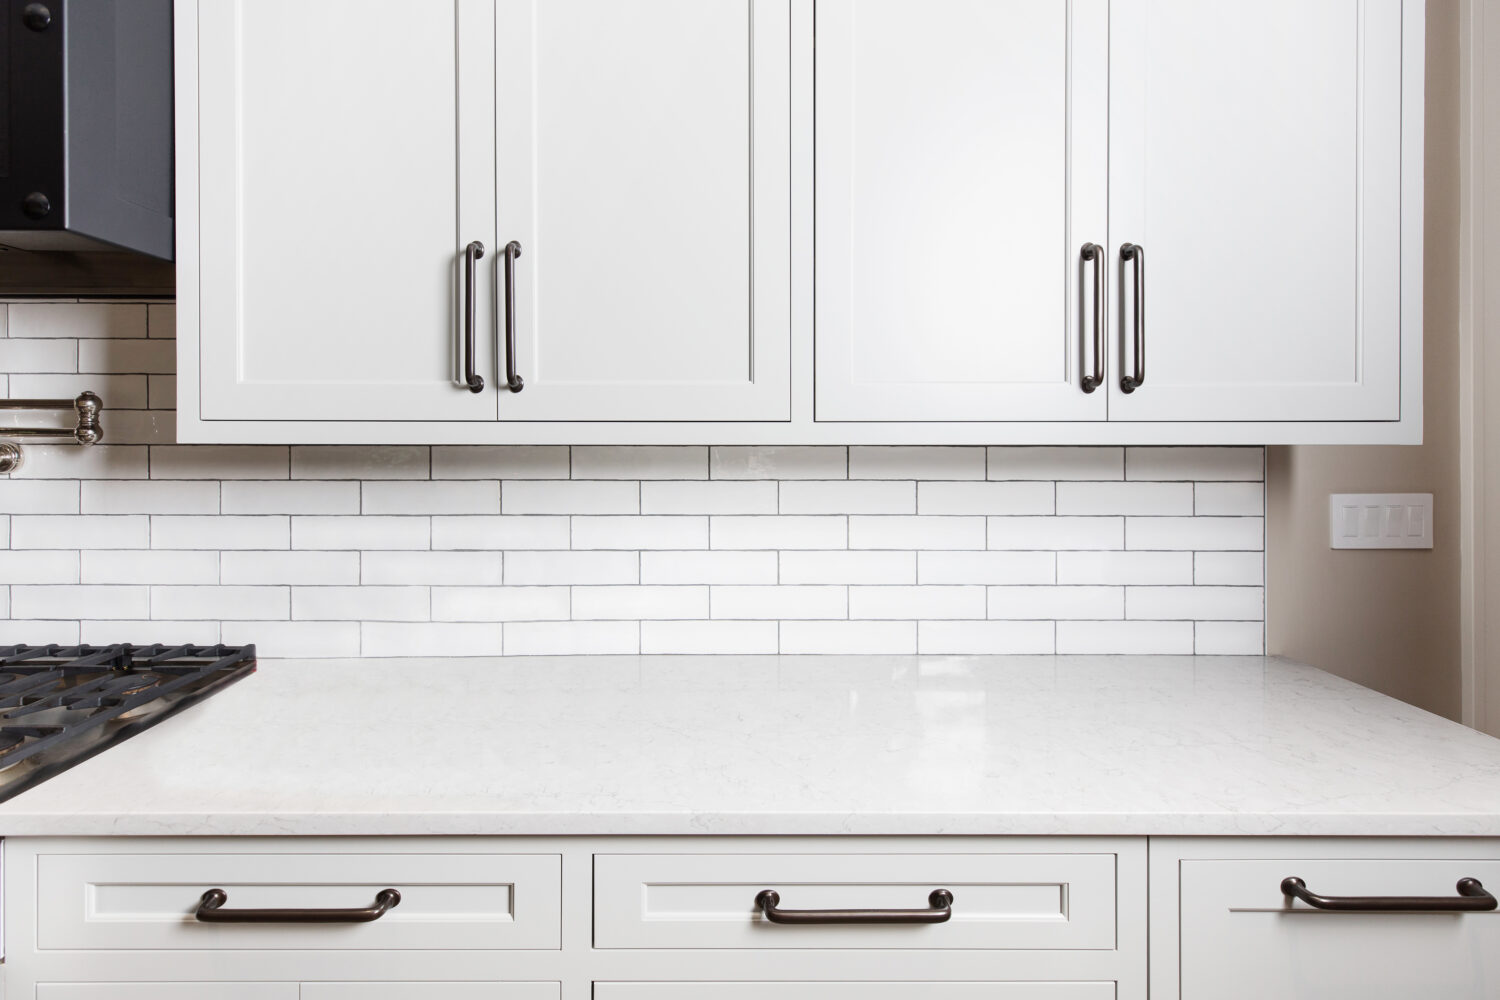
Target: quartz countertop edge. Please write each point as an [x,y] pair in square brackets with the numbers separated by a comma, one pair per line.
[784,746]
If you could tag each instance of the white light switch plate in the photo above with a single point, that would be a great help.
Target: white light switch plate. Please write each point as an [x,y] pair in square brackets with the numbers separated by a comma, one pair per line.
[1380,521]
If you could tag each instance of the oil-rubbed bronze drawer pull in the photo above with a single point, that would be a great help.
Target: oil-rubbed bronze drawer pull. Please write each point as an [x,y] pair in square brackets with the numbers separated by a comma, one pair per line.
[940,903]
[210,911]
[1471,896]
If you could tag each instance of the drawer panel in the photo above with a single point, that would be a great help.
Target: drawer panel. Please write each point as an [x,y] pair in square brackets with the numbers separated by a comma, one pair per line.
[166,991]
[1241,939]
[448,901]
[1000,901]
[854,991]
[430,991]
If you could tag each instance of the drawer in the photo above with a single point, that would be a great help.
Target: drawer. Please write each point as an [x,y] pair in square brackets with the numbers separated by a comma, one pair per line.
[430,991]
[1000,901]
[146,902]
[1241,939]
[166,991]
[854,991]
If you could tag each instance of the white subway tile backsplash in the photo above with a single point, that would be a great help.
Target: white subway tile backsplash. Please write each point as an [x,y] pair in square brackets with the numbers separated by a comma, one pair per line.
[935,463]
[1211,533]
[291,496]
[640,603]
[77,320]
[709,566]
[637,463]
[572,638]
[80,531]
[500,604]
[143,632]
[149,566]
[284,638]
[1125,567]
[40,566]
[482,569]
[314,531]
[34,632]
[1229,638]
[219,461]
[420,497]
[868,566]
[1230,569]
[219,603]
[779,532]
[916,532]
[499,462]
[708,497]
[779,602]
[1231,499]
[563,497]
[648,532]
[331,568]
[362,603]
[778,463]
[1125,637]
[161,395]
[1056,533]
[1154,499]
[172,531]
[709,637]
[986,567]
[431,639]
[923,602]
[150,496]
[119,392]
[161,320]
[1195,603]
[361,462]
[80,601]
[1198,464]
[41,496]
[497,533]
[847,497]
[562,568]
[39,356]
[986,498]
[986,637]
[131,357]
[68,461]
[1043,463]
[814,637]
[142,427]
[1058,603]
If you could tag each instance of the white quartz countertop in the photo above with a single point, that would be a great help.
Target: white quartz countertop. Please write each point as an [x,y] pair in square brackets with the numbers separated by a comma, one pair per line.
[784,745]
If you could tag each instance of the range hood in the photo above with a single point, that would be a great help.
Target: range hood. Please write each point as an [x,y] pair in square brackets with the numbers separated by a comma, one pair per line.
[86,125]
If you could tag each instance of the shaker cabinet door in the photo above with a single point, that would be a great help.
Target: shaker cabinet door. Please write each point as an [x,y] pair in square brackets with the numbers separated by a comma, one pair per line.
[1256,160]
[333,194]
[644,172]
[962,158]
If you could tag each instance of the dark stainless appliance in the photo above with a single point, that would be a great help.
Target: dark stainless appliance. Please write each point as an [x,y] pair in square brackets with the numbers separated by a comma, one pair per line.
[86,125]
[61,705]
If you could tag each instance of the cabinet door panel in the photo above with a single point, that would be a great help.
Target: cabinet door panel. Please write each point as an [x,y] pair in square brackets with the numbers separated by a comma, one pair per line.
[1256,156]
[644,169]
[961,166]
[333,204]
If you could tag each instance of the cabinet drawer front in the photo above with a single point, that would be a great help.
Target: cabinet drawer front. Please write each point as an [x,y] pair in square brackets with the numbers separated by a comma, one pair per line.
[430,991]
[147,901]
[854,991]
[166,991]
[1243,940]
[1000,901]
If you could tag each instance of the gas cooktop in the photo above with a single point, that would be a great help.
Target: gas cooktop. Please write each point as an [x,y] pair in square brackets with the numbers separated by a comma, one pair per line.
[61,705]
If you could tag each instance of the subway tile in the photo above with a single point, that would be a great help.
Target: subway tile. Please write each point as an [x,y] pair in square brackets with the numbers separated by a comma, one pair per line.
[1200,603]
[637,603]
[68,461]
[500,462]
[1202,464]
[846,497]
[119,392]
[190,603]
[360,462]
[127,357]
[1230,499]
[38,496]
[149,566]
[143,632]
[1057,603]
[850,638]
[1229,639]
[80,601]
[496,532]
[572,638]
[1056,533]
[559,568]
[431,568]
[779,532]
[33,632]
[1231,569]
[40,566]
[844,567]
[985,498]
[230,461]
[778,602]
[916,532]
[161,393]
[985,638]
[907,603]
[570,497]
[1125,637]
[430,639]
[1119,568]
[285,638]
[1151,499]
[706,566]
[423,497]
[80,320]
[636,462]
[797,462]
[708,497]
[161,320]
[174,531]
[986,567]
[150,496]
[290,496]
[919,462]
[648,532]
[330,568]
[40,356]
[500,604]
[363,603]
[79,531]
[708,637]
[158,427]
[1034,462]
[314,531]
[1212,533]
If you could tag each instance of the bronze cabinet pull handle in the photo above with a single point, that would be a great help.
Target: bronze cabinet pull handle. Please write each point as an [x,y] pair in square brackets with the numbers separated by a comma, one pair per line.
[210,911]
[513,381]
[940,903]
[1095,253]
[472,253]
[1136,254]
[1472,896]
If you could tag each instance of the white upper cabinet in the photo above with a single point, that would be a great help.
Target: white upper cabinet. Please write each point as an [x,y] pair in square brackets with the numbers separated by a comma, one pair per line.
[962,165]
[644,170]
[1256,158]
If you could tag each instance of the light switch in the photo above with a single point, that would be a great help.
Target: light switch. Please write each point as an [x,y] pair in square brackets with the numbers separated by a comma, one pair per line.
[1380,521]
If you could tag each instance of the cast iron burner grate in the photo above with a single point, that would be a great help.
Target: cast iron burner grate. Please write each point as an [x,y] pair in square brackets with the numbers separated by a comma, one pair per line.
[61,705]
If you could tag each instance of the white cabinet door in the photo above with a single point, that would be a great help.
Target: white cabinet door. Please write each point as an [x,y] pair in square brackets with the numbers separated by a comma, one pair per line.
[961,167]
[1256,157]
[644,169]
[335,190]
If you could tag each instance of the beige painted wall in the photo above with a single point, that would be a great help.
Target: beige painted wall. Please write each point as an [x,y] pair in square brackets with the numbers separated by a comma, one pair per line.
[1388,619]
